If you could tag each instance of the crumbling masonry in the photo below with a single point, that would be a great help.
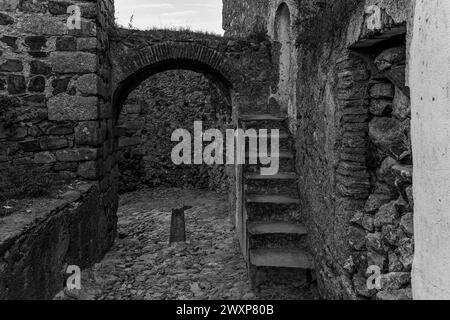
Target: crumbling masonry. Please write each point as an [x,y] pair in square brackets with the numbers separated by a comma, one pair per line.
[331,75]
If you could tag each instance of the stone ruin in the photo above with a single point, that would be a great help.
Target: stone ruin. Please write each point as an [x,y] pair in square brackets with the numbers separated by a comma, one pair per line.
[337,76]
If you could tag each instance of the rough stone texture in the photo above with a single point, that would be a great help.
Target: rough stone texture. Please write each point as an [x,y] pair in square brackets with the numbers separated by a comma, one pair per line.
[344,106]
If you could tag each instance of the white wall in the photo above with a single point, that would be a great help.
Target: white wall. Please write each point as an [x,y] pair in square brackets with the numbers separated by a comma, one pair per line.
[430,88]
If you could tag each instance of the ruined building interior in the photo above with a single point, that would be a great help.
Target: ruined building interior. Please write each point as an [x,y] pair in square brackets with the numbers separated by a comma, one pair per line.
[358,89]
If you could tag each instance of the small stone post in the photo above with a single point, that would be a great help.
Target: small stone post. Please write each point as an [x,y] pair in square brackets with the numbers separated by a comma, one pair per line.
[178,225]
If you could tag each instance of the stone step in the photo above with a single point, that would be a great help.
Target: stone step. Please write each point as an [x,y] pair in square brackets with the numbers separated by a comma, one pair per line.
[263,228]
[271,187]
[281,258]
[279,176]
[272,199]
[280,155]
[282,135]
[262,117]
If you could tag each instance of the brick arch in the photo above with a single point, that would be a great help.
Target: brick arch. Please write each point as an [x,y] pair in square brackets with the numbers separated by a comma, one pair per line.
[171,56]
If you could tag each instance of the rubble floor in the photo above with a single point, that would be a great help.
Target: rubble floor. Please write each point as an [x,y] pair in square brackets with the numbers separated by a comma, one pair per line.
[143,266]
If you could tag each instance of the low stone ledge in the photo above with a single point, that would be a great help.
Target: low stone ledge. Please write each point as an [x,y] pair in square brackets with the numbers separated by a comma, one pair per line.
[38,242]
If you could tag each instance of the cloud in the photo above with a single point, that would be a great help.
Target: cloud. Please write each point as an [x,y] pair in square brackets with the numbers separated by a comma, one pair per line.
[178,14]
[204,15]
[155,6]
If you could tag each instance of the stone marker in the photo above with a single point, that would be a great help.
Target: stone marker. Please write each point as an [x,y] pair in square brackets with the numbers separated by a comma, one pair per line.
[178,225]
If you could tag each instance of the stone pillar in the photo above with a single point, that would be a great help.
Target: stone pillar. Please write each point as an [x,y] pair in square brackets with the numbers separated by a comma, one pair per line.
[430,83]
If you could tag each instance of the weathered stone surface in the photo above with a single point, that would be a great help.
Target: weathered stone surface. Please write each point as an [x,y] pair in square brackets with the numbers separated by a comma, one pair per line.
[66,107]
[36,84]
[42,25]
[382,91]
[73,62]
[39,67]
[380,107]
[88,133]
[392,234]
[44,158]
[48,239]
[357,238]
[395,280]
[5,19]
[395,265]
[390,57]
[129,141]
[12,65]
[401,107]
[401,205]
[88,85]
[16,84]
[376,259]
[385,173]
[375,201]
[8,5]
[360,284]
[374,242]
[77,155]
[53,143]
[403,173]
[386,215]
[395,295]
[410,196]
[89,170]
[407,223]
[406,253]
[387,134]
[364,220]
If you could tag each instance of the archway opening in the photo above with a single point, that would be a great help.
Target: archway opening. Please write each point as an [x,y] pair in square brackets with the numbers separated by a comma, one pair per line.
[165,102]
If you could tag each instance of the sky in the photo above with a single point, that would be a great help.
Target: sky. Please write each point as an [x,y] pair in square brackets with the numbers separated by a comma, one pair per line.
[198,15]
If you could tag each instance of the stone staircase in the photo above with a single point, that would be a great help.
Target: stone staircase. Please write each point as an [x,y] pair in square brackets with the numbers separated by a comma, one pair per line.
[275,240]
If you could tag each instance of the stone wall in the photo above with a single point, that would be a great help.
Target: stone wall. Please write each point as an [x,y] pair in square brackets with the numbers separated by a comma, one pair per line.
[352,134]
[39,242]
[55,112]
[242,18]
[165,102]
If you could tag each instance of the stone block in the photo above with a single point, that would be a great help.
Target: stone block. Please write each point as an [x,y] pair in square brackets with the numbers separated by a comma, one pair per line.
[395,295]
[380,107]
[5,19]
[43,25]
[386,215]
[87,133]
[395,280]
[388,134]
[77,155]
[53,143]
[407,224]
[90,170]
[129,141]
[382,91]
[401,106]
[390,57]
[8,5]
[65,107]
[44,158]
[12,65]
[73,62]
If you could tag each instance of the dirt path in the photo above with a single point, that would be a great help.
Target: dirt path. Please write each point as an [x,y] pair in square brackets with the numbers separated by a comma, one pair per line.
[142,265]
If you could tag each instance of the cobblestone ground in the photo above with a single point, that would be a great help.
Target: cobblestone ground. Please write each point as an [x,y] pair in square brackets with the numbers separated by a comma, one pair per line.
[142,265]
